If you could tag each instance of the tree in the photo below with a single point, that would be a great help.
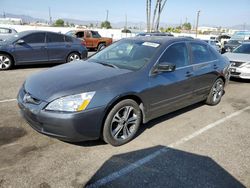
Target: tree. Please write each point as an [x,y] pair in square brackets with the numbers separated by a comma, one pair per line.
[160,4]
[59,23]
[187,26]
[106,25]
[148,12]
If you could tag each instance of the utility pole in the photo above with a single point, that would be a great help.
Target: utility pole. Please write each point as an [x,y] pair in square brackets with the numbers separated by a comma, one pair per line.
[50,18]
[4,15]
[197,22]
[107,15]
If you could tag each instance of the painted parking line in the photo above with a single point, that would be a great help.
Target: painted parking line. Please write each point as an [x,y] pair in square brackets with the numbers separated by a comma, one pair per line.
[7,100]
[115,175]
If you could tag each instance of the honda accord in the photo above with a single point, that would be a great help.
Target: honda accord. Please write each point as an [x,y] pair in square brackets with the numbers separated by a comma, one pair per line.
[128,83]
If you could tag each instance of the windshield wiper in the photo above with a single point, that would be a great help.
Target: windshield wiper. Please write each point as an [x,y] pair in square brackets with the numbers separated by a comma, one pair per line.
[107,64]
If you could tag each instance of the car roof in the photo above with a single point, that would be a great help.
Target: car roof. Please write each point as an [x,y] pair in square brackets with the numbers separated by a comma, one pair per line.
[160,39]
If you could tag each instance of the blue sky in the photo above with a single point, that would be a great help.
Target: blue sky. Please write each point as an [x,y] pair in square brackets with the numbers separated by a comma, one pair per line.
[213,12]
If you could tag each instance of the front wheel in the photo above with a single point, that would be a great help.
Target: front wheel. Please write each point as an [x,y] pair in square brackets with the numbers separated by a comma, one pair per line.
[101,46]
[122,123]
[73,57]
[216,92]
[6,62]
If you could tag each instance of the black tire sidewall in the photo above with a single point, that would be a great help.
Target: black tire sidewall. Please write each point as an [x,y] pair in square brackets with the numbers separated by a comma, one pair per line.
[107,136]
[100,46]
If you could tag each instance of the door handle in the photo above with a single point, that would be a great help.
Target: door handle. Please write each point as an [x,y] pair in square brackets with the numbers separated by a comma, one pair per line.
[189,74]
[215,66]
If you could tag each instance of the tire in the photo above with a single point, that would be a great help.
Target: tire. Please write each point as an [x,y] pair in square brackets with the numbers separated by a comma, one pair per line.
[74,56]
[6,62]
[122,123]
[216,92]
[101,46]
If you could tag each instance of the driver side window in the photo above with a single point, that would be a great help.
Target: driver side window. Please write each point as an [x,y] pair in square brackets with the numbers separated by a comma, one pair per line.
[176,54]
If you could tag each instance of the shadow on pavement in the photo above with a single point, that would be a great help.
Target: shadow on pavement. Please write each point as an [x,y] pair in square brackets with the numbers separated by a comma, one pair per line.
[170,168]
[166,117]
[239,80]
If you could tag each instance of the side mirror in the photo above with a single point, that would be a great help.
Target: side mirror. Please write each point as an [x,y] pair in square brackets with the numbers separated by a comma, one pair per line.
[20,41]
[164,67]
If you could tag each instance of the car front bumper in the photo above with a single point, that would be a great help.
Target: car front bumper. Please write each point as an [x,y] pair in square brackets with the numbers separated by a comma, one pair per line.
[240,72]
[73,127]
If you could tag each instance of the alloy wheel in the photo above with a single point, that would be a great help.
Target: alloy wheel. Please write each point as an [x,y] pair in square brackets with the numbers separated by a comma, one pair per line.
[217,91]
[73,57]
[123,124]
[5,62]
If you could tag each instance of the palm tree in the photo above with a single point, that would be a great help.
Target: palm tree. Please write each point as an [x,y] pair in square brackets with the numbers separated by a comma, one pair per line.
[148,11]
[156,16]
[153,21]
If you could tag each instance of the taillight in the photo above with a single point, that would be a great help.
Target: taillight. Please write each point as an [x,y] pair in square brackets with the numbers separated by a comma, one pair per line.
[83,42]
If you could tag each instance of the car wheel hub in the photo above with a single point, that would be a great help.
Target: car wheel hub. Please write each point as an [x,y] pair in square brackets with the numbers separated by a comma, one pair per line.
[74,57]
[4,62]
[217,91]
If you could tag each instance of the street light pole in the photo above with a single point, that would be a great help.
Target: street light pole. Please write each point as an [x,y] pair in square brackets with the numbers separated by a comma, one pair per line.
[197,22]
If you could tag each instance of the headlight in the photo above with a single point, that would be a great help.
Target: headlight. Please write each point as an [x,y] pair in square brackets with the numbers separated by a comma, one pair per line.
[72,103]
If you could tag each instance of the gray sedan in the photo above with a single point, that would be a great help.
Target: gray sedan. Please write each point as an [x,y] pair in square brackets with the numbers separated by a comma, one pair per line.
[240,61]
[6,32]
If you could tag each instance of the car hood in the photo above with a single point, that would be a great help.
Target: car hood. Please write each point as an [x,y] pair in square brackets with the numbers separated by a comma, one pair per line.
[238,57]
[68,79]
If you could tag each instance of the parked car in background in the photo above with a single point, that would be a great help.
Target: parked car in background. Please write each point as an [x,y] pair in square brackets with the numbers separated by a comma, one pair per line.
[37,47]
[92,38]
[147,34]
[133,80]
[6,32]
[213,43]
[230,45]
[223,39]
[240,61]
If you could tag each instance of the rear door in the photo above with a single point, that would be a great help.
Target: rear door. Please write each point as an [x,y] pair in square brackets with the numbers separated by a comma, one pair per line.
[204,65]
[171,90]
[58,49]
[32,50]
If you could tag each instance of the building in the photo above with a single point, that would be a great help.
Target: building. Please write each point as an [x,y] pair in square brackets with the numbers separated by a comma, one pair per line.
[11,21]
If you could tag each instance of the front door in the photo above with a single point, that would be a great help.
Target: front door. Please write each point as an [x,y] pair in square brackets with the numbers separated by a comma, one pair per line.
[171,90]
[32,50]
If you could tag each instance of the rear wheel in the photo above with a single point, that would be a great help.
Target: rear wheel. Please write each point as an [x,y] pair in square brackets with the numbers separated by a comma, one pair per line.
[73,56]
[216,92]
[122,123]
[101,46]
[6,62]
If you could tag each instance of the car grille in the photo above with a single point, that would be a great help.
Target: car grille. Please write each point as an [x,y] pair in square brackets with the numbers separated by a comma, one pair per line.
[235,63]
[27,98]
[235,73]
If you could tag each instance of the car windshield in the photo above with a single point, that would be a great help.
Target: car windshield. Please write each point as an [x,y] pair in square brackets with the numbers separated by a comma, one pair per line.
[244,49]
[126,54]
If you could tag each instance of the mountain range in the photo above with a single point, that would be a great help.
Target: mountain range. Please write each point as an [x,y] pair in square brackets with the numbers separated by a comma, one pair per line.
[139,25]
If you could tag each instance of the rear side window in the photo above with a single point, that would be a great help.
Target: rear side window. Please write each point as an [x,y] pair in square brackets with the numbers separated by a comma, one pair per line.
[80,34]
[176,54]
[34,38]
[95,34]
[54,37]
[201,53]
